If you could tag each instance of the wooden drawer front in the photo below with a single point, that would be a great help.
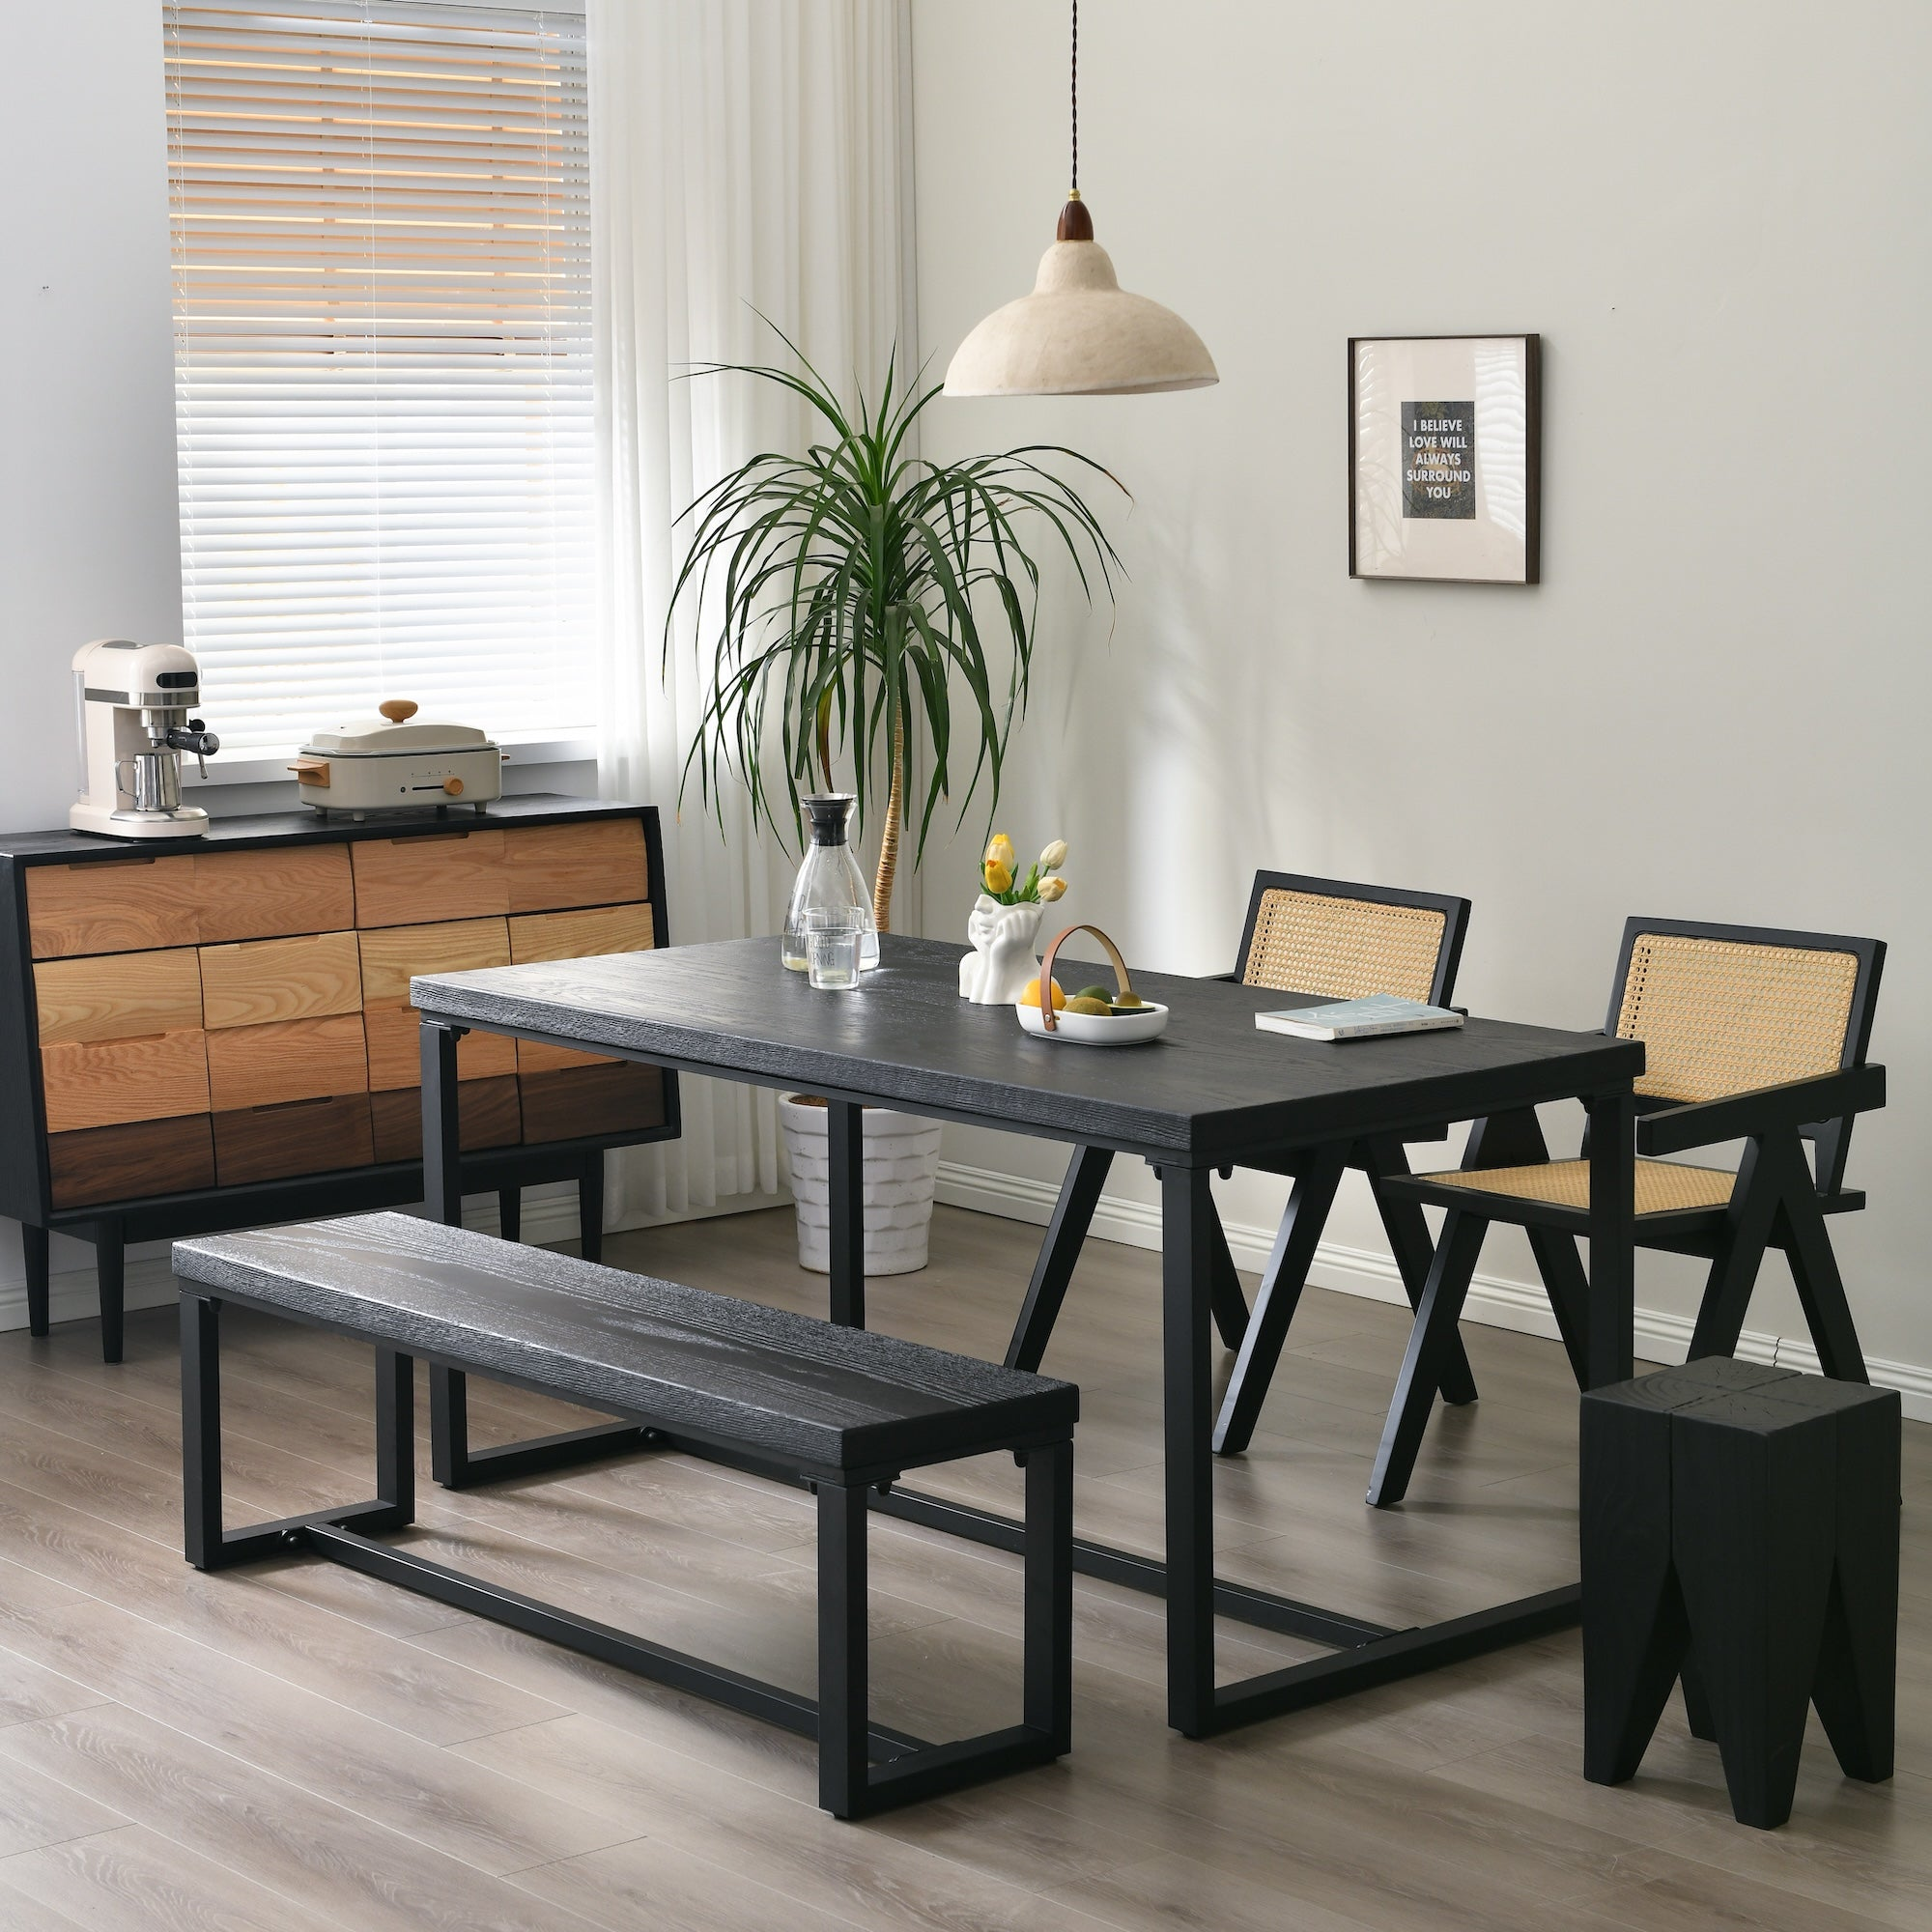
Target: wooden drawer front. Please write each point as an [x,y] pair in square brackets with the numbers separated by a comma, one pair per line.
[396,1051]
[268,893]
[487,1113]
[390,958]
[288,1060]
[297,1137]
[264,979]
[577,935]
[100,1083]
[436,876]
[117,995]
[534,1057]
[601,861]
[614,1099]
[112,905]
[125,1163]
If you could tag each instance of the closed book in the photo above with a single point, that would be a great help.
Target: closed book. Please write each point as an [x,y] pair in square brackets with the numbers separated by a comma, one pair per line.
[1358,1019]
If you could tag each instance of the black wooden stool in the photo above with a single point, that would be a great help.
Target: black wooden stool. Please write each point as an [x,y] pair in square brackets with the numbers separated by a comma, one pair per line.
[1740,1525]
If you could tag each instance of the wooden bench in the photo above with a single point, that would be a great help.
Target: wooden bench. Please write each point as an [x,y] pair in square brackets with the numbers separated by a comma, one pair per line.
[840,1410]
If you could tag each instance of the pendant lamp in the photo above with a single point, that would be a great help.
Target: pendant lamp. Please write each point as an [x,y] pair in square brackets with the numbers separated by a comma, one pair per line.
[1079,333]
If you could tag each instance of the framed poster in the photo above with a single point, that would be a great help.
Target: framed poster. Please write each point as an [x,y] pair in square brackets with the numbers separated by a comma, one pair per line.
[1445,436]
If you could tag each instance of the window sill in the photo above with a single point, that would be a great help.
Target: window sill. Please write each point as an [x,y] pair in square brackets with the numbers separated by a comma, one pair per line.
[273,768]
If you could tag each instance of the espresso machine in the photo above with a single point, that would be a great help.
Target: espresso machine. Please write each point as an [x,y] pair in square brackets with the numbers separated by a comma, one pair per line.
[131,704]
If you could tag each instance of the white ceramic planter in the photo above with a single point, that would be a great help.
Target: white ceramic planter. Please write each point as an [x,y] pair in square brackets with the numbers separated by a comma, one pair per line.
[901,1169]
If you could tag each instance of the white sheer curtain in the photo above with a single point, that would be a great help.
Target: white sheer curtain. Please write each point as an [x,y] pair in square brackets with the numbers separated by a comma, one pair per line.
[745,156]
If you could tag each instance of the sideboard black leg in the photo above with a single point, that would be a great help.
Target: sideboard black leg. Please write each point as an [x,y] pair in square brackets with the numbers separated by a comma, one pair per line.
[34,1254]
[110,1261]
[1072,1217]
[510,1214]
[590,1208]
[845,1162]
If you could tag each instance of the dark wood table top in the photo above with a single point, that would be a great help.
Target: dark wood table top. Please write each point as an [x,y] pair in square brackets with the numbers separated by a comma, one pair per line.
[1212,1087]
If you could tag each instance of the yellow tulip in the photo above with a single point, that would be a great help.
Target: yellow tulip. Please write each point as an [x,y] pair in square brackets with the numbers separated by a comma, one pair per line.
[1054,857]
[999,878]
[1051,889]
[999,852]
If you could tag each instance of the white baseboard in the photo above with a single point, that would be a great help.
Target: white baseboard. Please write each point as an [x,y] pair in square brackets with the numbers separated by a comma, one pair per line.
[1494,1299]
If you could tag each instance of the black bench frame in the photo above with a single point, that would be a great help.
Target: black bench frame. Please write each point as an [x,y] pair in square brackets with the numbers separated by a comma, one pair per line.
[863,1768]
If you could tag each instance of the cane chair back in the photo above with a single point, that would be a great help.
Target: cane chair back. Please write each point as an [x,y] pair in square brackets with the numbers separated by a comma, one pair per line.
[1343,941]
[1727,1009]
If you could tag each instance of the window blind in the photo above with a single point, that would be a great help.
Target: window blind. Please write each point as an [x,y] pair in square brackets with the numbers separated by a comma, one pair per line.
[382,273]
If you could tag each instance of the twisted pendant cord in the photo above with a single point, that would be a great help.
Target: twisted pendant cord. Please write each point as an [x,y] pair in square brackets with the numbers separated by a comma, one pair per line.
[1074,90]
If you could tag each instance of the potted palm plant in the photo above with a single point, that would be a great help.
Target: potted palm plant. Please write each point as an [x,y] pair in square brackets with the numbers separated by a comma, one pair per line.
[861,597]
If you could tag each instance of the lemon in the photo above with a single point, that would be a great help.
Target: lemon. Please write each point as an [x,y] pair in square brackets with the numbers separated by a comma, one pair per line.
[1031,997]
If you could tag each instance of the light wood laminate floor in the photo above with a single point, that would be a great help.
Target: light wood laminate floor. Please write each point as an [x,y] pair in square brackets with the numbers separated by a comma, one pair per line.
[293,1746]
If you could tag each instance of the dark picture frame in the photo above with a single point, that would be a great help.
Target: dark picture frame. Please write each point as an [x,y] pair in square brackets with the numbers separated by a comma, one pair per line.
[1476,517]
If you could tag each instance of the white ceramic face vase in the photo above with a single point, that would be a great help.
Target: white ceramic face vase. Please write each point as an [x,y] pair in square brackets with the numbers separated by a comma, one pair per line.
[996,971]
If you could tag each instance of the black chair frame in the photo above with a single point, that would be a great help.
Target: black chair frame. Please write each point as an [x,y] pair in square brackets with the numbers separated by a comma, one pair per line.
[1780,1201]
[1260,1336]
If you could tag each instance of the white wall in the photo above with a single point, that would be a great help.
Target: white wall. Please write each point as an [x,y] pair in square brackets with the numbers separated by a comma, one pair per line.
[1715,705]
[88,543]
[89,538]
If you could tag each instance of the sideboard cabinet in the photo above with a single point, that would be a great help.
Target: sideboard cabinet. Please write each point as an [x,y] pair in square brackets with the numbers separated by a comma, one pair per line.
[216,1032]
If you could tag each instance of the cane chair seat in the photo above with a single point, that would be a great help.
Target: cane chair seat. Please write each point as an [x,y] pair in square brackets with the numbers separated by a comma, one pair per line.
[1308,942]
[1662,1186]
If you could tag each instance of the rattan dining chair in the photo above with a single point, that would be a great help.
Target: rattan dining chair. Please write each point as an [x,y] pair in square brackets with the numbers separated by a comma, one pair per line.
[1749,1034]
[1335,940]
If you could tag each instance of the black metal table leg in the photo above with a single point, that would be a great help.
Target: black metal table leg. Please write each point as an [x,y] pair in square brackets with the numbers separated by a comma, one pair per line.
[1282,1283]
[845,1162]
[442,1131]
[1187,1210]
[510,1214]
[443,1195]
[1065,1233]
[1612,1338]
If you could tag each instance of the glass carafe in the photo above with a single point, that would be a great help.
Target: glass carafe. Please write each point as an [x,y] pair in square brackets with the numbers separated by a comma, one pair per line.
[830,878]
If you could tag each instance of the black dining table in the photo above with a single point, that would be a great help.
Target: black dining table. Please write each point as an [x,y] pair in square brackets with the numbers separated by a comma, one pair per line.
[1212,1092]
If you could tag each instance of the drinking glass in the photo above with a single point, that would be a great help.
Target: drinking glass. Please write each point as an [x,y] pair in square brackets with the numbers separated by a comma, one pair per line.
[833,936]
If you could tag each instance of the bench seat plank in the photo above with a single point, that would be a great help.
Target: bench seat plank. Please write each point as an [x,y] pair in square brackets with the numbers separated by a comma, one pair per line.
[691,1361]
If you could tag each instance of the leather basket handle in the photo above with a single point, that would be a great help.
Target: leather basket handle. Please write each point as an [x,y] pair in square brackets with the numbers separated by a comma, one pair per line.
[1046,1014]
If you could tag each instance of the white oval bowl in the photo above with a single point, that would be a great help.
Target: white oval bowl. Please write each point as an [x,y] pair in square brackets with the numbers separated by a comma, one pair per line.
[1096,1029]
